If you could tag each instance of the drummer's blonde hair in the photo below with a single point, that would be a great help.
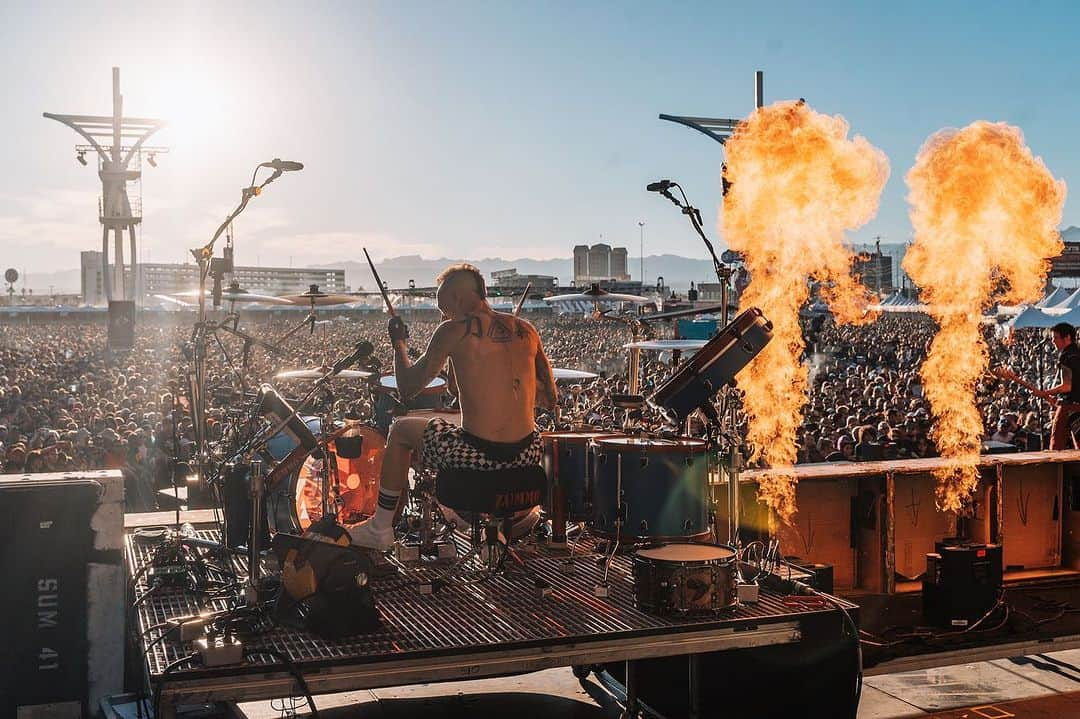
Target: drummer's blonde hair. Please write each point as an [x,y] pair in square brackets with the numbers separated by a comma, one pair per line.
[464,268]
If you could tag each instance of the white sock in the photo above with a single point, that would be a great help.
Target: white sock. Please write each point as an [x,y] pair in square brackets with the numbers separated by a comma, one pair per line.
[384,512]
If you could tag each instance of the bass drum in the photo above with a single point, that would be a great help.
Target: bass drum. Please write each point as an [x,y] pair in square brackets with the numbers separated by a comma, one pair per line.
[659,486]
[294,501]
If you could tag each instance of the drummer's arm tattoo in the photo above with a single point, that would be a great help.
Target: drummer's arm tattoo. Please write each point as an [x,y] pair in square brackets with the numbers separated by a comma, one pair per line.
[413,377]
[546,395]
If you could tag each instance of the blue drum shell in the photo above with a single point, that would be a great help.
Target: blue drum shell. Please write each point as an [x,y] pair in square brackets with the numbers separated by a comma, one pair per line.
[664,488]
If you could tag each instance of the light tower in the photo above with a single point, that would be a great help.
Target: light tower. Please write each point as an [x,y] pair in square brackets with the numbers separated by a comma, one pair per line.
[117,210]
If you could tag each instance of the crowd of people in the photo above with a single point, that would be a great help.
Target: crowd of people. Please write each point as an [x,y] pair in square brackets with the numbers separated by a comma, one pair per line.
[68,404]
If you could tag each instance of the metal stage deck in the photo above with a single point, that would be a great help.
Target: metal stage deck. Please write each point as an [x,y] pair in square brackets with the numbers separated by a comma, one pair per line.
[501,626]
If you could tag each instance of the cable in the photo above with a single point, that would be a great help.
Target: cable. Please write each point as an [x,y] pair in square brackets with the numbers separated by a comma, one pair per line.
[293,670]
[855,636]
[172,667]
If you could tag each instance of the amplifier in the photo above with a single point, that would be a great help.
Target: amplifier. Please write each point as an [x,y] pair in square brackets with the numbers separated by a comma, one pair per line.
[961,583]
[63,601]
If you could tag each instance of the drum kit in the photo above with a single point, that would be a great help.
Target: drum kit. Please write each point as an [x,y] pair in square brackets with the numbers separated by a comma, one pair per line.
[296,466]
[615,485]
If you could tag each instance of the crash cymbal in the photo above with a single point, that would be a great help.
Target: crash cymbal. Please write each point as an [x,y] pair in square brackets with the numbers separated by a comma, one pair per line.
[597,295]
[316,297]
[235,294]
[561,373]
[666,345]
[319,372]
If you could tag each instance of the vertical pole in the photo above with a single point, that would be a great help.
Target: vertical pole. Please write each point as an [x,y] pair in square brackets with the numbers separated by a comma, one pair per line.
[134,266]
[759,88]
[118,263]
[106,278]
[641,227]
[118,114]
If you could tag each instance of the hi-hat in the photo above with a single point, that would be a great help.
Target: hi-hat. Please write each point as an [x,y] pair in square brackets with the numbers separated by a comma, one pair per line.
[666,345]
[314,296]
[561,374]
[320,372]
[233,293]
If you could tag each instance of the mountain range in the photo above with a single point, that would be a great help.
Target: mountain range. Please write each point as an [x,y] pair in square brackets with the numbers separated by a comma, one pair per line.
[678,272]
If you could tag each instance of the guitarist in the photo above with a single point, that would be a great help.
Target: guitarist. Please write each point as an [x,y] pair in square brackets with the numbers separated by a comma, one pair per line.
[1065,393]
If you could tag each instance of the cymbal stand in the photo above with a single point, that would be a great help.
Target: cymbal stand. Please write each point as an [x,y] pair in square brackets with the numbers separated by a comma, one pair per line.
[308,321]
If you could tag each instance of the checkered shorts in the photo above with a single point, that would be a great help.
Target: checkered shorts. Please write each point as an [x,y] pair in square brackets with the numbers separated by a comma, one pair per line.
[447,446]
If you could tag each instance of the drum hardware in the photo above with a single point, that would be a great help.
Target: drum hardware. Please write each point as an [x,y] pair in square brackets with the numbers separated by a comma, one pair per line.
[427,532]
[602,588]
[251,591]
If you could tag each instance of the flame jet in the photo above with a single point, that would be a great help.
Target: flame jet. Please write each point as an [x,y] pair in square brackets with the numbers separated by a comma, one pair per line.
[797,183]
[985,213]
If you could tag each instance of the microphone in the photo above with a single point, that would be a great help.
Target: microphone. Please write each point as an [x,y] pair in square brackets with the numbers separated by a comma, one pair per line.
[659,186]
[283,165]
[361,352]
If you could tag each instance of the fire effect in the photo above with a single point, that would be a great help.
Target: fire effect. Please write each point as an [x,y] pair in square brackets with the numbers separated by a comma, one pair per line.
[985,213]
[798,182]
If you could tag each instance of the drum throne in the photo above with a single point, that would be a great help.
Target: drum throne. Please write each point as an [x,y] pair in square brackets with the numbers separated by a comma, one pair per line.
[491,500]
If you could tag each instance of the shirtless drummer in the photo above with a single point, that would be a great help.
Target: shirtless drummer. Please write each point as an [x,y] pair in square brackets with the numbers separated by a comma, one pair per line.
[502,374]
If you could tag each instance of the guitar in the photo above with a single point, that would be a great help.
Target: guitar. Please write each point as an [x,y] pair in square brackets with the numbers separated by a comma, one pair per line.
[1006,373]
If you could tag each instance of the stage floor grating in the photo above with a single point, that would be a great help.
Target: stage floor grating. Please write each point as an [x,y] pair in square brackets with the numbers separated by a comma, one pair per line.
[502,613]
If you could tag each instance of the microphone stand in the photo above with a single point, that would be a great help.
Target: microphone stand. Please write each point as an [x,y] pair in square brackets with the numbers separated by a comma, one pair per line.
[200,335]
[723,272]
[731,459]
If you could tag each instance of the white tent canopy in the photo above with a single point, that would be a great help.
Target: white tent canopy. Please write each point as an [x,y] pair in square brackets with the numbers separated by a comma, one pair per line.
[1058,294]
[1034,317]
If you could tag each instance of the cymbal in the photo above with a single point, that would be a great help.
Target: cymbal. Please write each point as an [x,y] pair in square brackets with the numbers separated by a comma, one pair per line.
[315,296]
[561,373]
[602,296]
[235,294]
[666,345]
[320,372]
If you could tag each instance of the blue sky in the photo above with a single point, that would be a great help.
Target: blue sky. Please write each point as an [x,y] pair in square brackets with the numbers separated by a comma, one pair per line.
[498,128]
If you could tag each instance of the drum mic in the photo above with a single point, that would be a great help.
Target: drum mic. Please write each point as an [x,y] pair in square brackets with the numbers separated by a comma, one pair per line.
[659,186]
[361,352]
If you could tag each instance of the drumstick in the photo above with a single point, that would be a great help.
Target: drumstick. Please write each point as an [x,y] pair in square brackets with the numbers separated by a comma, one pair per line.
[378,282]
[517,308]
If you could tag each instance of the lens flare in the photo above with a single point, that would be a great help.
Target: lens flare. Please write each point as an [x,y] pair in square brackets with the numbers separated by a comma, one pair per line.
[985,212]
[798,182]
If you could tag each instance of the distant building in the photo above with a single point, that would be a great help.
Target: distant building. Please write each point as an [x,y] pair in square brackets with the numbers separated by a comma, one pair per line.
[581,261]
[618,264]
[511,280]
[876,271]
[599,263]
[166,279]
[1067,264]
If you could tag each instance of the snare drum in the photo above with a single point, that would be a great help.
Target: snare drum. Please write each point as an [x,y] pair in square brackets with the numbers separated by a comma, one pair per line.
[386,399]
[453,416]
[568,462]
[659,486]
[684,579]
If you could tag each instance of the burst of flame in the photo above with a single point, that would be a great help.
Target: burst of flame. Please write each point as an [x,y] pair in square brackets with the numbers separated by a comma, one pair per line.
[985,213]
[798,183]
